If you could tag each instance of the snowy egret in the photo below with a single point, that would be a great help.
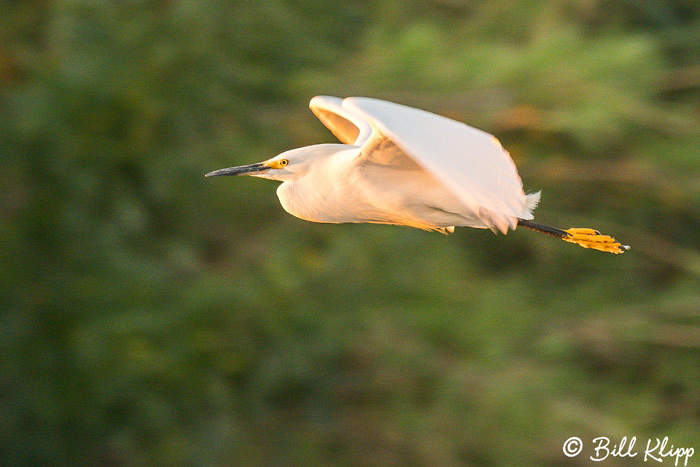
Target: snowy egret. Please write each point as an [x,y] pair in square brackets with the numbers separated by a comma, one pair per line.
[404,166]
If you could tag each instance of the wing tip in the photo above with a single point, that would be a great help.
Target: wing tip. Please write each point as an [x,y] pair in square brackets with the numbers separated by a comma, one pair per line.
[340,119]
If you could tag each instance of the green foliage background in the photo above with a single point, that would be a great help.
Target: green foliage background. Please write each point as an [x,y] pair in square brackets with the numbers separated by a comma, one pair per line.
[150,316]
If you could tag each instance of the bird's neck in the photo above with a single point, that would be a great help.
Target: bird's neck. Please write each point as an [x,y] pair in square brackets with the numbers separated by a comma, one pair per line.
[327,193]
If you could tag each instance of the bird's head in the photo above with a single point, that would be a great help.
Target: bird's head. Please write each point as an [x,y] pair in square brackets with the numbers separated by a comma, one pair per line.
[287,166]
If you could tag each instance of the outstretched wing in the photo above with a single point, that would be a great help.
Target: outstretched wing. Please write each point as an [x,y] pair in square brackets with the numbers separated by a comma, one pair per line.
[471,163]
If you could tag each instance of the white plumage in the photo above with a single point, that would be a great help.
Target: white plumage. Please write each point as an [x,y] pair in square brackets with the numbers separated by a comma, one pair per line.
[404,166]
[452,160]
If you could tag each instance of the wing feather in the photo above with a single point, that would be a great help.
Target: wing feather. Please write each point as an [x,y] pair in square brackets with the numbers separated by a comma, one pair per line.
[470,162]
[348,127]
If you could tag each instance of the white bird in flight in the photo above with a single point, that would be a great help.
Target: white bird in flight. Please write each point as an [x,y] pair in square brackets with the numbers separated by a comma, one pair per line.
[405,166]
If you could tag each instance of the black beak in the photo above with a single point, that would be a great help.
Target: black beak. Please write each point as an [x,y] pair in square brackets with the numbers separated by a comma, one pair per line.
[241,170]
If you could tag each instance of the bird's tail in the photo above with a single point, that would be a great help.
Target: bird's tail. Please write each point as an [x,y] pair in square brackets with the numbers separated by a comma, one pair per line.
[587,238]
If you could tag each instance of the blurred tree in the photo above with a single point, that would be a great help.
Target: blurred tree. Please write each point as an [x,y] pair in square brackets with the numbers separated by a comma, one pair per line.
[151,317]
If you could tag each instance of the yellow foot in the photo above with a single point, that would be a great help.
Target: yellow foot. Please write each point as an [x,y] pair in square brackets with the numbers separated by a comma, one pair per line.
[589,238]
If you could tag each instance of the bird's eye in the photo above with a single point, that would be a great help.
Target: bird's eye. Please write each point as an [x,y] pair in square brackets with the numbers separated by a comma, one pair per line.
[283,162]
